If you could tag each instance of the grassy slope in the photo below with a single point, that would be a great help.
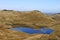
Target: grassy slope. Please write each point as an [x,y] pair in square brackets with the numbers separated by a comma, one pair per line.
[32,19]
[56,17]
[55,35]
[56,26]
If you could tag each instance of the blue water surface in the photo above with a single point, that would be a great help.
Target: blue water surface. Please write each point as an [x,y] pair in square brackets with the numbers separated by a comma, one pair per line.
[33,31]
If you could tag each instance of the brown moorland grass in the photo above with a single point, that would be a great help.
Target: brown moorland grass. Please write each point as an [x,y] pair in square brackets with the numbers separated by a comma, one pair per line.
[32,19]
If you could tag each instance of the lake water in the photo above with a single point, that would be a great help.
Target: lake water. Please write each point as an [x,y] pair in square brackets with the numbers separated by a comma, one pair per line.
[32,31]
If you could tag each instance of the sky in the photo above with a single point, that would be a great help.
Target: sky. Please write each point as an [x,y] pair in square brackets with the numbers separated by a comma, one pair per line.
[52,6]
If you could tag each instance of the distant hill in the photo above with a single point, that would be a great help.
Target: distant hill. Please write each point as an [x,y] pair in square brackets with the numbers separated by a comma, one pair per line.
[32,19]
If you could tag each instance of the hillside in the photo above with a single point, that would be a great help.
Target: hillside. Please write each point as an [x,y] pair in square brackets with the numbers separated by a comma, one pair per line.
[32,19]
[56,17]
[56,26]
